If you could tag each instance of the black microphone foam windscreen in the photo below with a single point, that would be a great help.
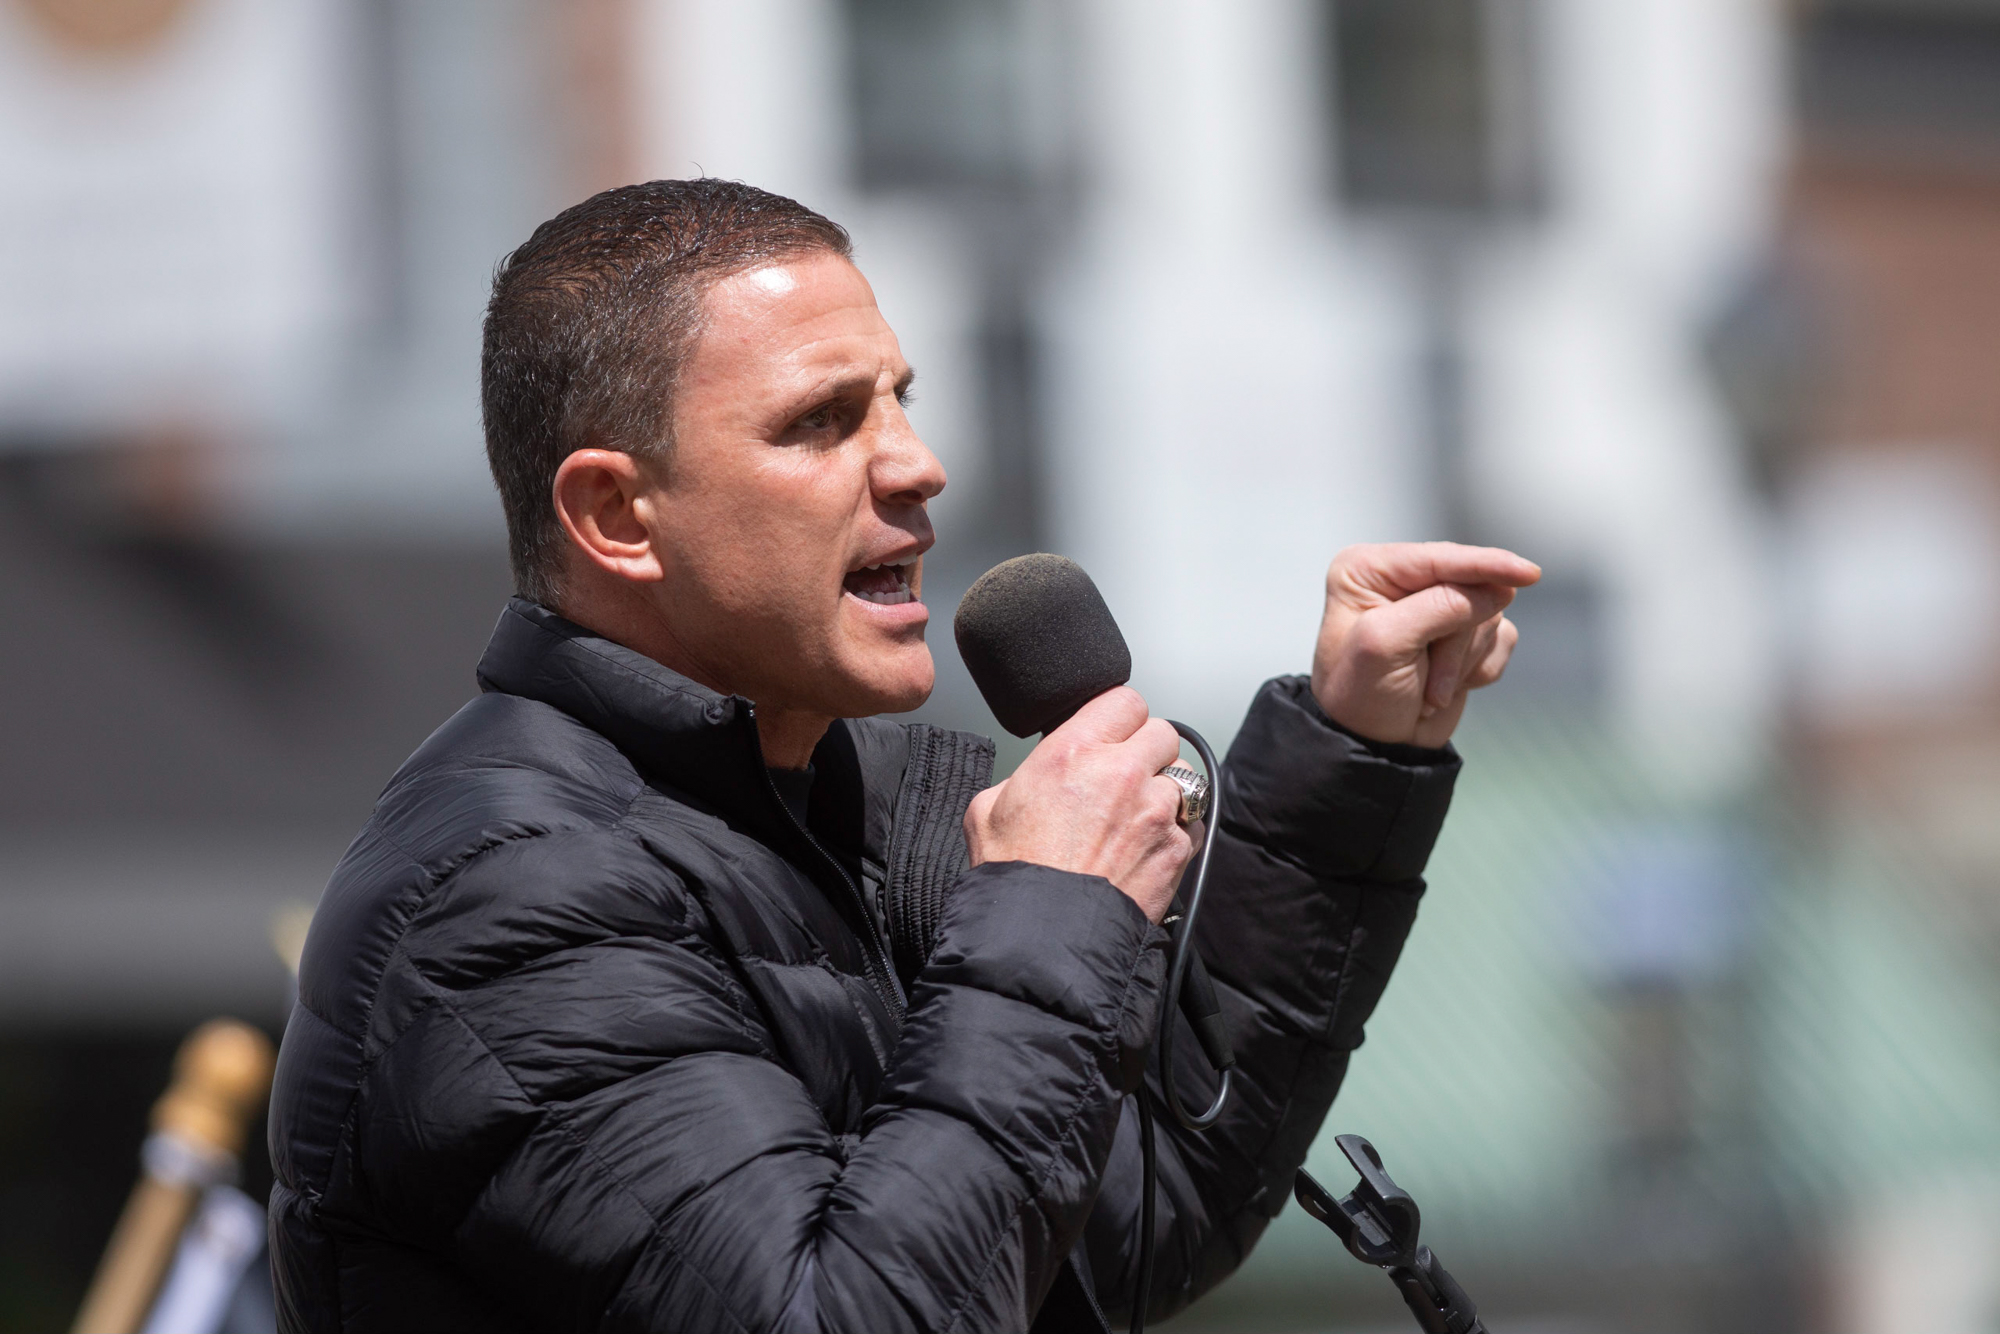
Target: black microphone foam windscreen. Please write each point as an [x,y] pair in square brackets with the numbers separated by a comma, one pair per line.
[1039,642]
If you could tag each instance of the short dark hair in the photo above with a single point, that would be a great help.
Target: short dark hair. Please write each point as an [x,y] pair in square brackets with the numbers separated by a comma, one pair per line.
[590,322]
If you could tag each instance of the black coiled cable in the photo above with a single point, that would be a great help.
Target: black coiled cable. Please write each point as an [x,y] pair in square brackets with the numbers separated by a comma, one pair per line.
[1181,956]
[1183,949]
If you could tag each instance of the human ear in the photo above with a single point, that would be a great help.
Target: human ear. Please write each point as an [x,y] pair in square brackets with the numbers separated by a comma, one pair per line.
[601,496]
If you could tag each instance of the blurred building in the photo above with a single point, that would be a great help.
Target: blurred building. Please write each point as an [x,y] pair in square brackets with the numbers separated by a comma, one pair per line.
[1892,473]
[1688,299]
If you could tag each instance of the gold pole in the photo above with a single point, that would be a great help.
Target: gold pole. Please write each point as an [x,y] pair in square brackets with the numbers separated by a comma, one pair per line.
[222,1075]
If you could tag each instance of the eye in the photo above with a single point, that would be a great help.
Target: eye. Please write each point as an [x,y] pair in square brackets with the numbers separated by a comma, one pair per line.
[820,418]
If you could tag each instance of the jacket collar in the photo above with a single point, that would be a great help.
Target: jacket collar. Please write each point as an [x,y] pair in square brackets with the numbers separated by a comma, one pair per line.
[679,733]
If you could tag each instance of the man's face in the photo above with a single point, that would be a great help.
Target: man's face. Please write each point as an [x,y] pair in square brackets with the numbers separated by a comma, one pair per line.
[790,521]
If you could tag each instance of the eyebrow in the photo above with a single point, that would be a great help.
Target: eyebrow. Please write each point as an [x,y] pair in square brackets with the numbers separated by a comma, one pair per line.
[846,385]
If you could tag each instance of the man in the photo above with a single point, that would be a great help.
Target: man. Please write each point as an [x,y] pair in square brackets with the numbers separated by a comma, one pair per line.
[615,1017]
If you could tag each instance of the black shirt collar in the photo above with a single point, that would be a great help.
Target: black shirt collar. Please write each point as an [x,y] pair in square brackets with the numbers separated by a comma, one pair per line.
[681,734]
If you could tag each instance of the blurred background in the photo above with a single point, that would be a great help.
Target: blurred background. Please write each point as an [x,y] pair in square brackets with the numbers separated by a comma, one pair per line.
[1697,302]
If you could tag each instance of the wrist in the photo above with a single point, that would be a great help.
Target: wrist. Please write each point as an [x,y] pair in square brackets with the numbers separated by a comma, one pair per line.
[1338,709]
[1398,749]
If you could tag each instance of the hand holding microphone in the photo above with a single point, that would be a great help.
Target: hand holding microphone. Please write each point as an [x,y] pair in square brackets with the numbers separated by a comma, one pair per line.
[1092,799]
[1047,655]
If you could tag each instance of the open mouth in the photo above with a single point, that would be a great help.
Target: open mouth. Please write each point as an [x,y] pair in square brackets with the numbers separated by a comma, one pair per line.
[885,585]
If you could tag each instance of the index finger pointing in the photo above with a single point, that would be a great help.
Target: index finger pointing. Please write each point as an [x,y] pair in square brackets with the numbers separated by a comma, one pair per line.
[1397,569]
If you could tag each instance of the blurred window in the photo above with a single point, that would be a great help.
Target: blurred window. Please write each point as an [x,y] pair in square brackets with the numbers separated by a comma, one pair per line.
[938,88]
[1896,578]
[1926,69]
[1433,102]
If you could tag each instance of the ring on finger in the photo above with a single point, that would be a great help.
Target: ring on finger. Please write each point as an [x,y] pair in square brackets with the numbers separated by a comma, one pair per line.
[1194,793]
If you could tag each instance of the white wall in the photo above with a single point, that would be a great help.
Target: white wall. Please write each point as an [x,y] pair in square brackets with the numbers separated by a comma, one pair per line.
[1599,441]
[174,221]
[1228,404]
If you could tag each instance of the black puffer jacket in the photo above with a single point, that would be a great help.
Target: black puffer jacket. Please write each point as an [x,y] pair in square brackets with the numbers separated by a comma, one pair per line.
[592,1035]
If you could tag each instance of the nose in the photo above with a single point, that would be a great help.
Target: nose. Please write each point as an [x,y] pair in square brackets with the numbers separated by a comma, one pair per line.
[904,471]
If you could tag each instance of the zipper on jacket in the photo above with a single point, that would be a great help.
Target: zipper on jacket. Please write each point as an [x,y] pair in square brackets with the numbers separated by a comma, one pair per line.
[1089,1291]
[872,947]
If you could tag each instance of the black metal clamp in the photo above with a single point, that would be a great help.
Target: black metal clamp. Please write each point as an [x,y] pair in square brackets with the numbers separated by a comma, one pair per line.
[1378,1222]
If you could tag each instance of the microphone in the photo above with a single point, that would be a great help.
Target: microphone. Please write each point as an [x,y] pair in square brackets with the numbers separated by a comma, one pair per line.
[1040,644]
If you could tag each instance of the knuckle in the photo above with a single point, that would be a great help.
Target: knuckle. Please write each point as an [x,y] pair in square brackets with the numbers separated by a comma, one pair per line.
[1126,698]
[1350,557]
[1060,753]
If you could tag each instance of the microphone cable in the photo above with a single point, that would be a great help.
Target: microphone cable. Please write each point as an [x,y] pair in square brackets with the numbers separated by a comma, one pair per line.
[1184,969]
[1039,642]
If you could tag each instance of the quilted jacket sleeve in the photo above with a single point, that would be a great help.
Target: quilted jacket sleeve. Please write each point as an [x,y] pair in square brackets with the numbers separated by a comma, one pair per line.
[656,1166]
[1317,876]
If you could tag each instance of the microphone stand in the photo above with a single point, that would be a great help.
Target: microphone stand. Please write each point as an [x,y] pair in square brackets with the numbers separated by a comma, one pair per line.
[1378,1222]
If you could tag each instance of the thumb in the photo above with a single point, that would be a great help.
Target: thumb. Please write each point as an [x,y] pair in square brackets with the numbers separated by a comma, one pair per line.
[981,804]
[1107,720]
